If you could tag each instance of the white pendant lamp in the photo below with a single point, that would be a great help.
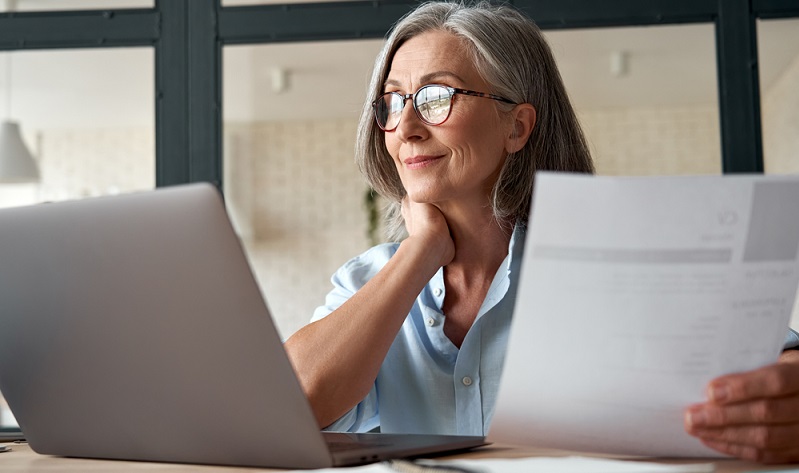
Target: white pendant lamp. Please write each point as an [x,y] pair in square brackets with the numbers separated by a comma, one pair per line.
[17,164]
[16,161]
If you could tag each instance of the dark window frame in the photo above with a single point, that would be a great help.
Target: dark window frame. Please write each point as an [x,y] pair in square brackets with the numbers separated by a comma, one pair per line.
[188,37]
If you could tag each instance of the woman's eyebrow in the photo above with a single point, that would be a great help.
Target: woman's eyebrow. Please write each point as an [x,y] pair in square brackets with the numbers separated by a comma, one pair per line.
[427,78]
[391,82]
[440,74]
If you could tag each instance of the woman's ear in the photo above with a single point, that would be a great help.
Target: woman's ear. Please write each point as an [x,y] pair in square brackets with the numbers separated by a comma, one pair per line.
[524,116]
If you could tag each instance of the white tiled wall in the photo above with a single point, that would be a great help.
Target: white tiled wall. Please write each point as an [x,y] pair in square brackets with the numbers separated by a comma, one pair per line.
[654,141]
[303,215]
[82,163]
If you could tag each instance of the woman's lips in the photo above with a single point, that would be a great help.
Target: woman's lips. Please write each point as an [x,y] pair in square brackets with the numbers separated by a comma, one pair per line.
[420,161]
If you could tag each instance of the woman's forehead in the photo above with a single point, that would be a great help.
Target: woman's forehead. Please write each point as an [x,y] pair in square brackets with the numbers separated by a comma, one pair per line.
[429,55]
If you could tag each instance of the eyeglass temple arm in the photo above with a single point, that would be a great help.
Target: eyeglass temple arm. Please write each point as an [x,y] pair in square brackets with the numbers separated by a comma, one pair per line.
[483,94]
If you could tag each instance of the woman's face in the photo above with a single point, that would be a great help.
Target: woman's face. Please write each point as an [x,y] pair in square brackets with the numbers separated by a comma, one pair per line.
[458,161]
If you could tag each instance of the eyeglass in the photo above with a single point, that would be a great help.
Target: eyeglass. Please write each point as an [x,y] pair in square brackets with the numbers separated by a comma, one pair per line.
[432,104]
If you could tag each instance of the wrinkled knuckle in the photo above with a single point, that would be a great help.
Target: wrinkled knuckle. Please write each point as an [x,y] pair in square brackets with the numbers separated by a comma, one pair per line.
[758,455]
[762,437]
[764,411]
[746,452]
[718,416]
[772,412]
[777,381]
[771,458]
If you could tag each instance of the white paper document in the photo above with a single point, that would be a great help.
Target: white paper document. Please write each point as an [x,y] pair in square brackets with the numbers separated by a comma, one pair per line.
[634,294]
[525,465]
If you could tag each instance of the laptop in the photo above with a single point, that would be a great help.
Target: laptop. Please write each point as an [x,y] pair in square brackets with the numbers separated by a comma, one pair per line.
[131,327]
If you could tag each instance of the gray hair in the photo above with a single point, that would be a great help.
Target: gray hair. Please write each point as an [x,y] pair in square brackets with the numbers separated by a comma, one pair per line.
[512,56]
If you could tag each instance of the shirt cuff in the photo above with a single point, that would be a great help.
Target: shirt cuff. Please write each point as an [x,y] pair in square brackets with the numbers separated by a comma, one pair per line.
[361,418]
[791,340]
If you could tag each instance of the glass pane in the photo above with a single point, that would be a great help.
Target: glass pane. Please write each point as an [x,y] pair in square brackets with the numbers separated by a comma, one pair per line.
[778,52]
[58,5]
[646,97]
[88,119]
[291,183]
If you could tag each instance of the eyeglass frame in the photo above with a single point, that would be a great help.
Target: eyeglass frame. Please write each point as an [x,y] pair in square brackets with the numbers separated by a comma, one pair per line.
[452,91]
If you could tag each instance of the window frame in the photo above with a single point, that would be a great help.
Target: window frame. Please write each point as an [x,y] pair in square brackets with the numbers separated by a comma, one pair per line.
[188,37]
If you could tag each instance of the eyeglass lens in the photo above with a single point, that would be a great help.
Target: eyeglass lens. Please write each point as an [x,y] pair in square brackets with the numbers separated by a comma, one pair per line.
[432,104]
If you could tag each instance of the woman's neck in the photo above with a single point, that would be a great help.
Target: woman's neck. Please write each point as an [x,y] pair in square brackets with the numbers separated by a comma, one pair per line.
[481,242]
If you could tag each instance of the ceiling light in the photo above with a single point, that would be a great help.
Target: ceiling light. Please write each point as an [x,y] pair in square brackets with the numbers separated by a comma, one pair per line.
[16,161]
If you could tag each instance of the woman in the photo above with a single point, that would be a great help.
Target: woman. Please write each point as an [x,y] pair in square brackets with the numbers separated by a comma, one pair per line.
[465,104]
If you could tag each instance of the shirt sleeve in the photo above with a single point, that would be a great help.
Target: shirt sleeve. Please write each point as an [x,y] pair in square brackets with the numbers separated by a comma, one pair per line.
[346,282]
[361,418]
[791,340]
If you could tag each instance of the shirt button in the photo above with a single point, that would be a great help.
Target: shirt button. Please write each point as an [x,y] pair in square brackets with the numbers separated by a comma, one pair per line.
[467,381]
[430,322]
[438,292]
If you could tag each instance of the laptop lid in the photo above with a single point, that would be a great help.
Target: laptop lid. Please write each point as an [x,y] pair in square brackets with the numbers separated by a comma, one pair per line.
[132,328]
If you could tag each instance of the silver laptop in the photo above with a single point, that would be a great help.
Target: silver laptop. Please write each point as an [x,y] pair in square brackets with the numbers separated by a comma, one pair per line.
[131,327]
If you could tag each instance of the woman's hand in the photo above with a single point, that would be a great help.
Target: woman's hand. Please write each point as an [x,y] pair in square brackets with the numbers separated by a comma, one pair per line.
[752,415]
[338,358]
[426,224]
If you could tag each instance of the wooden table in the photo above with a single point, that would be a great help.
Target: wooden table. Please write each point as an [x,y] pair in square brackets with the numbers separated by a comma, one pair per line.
[23,459]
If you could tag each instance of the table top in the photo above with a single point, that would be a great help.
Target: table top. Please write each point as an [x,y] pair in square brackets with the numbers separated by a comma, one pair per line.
[21,458]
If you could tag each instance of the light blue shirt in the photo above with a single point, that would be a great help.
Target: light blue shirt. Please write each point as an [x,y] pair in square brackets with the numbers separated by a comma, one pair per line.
[792,340]
[426,384]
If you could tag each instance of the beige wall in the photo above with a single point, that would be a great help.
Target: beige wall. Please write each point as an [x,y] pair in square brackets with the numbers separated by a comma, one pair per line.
[654,141]
[780,112]
[83,163]
[298,197]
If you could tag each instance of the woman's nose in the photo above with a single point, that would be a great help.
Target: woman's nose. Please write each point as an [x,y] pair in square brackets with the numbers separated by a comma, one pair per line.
[410,127]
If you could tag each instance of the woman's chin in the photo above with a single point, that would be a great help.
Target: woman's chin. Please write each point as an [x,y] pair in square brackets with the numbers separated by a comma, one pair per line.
[424,191]
[422,198]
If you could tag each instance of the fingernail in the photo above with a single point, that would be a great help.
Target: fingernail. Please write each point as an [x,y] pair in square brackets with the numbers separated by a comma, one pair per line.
[696,418]
[719,393]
